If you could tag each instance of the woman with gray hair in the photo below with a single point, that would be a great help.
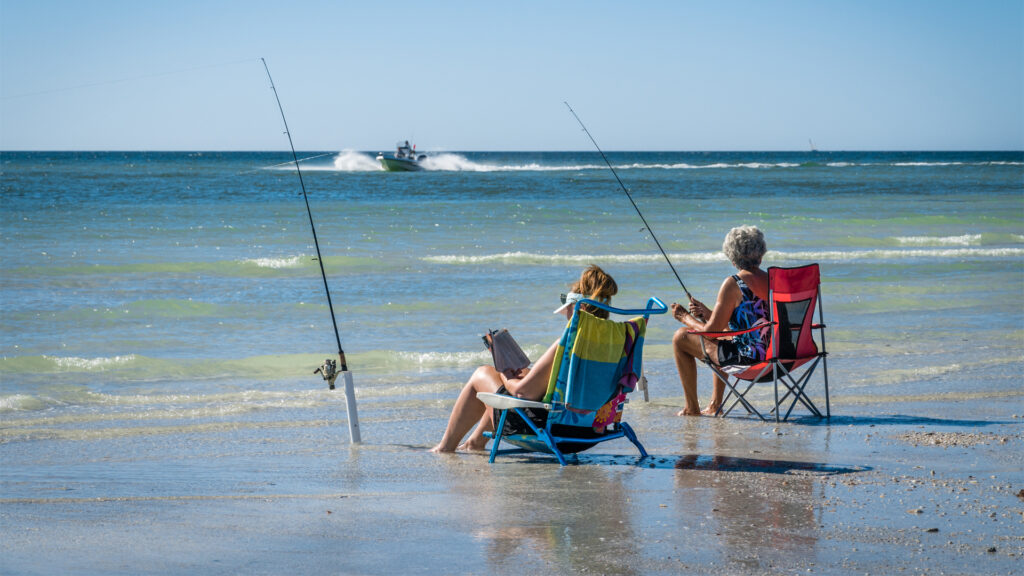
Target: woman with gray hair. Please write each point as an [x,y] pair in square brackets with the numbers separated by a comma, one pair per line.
[742,303]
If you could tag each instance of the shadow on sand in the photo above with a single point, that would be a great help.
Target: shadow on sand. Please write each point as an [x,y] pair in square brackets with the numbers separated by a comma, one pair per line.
[701,462]
[890,420]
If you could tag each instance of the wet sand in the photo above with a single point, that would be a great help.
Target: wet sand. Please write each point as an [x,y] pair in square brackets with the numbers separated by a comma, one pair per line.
[929,490]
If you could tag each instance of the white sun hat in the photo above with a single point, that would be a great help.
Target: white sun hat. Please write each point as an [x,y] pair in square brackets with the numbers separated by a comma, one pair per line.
[568,300]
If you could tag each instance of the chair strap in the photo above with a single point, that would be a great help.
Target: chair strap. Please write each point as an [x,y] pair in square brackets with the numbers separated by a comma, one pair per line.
[629,379]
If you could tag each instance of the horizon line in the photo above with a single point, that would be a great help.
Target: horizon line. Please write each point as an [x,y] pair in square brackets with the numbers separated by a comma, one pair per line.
[451,151]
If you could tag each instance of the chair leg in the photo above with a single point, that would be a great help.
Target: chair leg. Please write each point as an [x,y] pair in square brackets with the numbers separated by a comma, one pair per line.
[800,396]
[497,435]
[775,379]
[823,354]
[824,367]
[741,399]
[544,435]
[799,387]
[631,436]
[740,396]
[796,387]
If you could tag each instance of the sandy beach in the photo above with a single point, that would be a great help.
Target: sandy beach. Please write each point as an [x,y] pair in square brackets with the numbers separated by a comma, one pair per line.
[867,493]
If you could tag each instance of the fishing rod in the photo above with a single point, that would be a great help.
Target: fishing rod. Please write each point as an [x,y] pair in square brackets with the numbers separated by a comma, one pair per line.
[630,196]
[329,369]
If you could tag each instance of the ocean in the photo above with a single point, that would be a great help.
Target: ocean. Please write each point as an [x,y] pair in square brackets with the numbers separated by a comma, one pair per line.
[156,302]
[161,316]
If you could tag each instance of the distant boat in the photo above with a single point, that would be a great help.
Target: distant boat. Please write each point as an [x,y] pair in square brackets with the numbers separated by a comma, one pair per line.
[811,142]
[405,159]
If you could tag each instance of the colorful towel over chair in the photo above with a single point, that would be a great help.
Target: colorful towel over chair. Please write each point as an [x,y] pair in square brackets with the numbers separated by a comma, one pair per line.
[594,368]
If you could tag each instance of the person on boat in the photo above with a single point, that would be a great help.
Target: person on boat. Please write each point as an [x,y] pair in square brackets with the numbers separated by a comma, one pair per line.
[531,383]
[742,303]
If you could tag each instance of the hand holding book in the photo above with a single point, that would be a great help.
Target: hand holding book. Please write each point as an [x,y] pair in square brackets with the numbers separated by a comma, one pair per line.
[509,358]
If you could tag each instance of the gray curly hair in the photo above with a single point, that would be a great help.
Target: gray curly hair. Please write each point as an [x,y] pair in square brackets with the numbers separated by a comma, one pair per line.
[744,246]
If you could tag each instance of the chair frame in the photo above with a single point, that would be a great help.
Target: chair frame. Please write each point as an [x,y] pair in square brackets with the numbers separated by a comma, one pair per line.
[548,441]
[774,368]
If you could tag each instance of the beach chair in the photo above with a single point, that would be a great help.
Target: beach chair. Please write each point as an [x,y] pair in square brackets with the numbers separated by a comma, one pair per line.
[793,353]
[597,364]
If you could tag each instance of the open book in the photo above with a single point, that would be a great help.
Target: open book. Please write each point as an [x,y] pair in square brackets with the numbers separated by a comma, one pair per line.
[508,357]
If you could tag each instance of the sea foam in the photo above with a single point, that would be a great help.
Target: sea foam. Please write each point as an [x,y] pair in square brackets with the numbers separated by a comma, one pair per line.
[963,240]
[285,262]
[75,364]
[535,258]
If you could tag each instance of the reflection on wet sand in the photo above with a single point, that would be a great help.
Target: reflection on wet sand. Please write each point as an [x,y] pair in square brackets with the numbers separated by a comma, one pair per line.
[530,514]
[696,508]
[763,521]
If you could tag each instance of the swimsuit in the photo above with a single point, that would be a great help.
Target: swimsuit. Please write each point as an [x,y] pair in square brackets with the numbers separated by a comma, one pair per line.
[752,347]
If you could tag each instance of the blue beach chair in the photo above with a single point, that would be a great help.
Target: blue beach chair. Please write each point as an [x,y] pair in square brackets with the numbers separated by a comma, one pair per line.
[597,363]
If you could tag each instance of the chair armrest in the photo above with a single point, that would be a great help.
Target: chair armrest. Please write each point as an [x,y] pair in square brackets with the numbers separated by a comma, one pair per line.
[817,326]
[503,402]
[721,334]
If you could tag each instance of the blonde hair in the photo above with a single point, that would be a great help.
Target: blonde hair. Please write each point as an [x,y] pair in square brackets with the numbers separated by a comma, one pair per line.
[744,246]
[596,284]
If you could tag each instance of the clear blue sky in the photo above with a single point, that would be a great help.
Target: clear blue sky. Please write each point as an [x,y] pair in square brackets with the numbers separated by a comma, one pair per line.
[673,75]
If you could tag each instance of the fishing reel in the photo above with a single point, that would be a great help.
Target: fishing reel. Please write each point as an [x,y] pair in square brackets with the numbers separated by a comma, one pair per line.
[329,372]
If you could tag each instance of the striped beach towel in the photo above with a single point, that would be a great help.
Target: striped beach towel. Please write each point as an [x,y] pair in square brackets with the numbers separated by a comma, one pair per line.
[594,368]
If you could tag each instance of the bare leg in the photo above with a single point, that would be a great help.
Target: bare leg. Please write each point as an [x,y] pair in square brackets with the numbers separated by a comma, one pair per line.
[687,348]
[468,408]
[686,363]
[531,386]
[716,397]
[477,442]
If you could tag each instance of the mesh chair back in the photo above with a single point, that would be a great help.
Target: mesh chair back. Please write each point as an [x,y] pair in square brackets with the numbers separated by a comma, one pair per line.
[794,295]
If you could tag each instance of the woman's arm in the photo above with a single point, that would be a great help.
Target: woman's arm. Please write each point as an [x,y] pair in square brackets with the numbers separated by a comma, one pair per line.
[728,297]
[534,385]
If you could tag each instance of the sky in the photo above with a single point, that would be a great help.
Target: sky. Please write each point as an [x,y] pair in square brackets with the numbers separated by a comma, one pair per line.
[471,76]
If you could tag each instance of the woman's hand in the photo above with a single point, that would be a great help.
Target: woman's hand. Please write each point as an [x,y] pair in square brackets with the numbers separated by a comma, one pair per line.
[699,310]
[514,376]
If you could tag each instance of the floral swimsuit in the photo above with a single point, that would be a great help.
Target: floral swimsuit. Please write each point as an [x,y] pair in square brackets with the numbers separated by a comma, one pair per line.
[752,347]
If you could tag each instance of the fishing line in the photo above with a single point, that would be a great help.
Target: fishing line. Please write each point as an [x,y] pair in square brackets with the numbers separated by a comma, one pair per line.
[328,370]
[630,196]
[288,162]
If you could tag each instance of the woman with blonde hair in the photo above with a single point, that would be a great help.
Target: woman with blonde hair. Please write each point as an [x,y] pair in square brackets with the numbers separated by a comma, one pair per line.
[529,383]
[742,303]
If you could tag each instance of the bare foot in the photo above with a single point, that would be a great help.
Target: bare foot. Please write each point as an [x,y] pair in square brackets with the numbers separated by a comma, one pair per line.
[439,449]
[470,446]
[712,410]
[688,412]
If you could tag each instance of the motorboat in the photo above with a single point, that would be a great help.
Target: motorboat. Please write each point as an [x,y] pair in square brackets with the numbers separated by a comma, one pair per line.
[405,159]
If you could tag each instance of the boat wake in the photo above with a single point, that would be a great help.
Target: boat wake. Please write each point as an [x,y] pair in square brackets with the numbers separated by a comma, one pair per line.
[355,161]
[449,162]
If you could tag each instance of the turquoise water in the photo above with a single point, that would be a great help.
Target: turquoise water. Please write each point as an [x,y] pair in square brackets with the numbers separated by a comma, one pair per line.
[150,297]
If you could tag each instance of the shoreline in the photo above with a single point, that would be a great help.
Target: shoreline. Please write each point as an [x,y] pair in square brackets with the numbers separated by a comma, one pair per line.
[866,493]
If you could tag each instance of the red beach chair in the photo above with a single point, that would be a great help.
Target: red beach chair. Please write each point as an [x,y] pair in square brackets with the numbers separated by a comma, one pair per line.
[793,354]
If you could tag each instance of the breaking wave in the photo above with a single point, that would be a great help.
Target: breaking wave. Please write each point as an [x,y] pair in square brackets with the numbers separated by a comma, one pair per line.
[287,262]
[703,257]
[964,240]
